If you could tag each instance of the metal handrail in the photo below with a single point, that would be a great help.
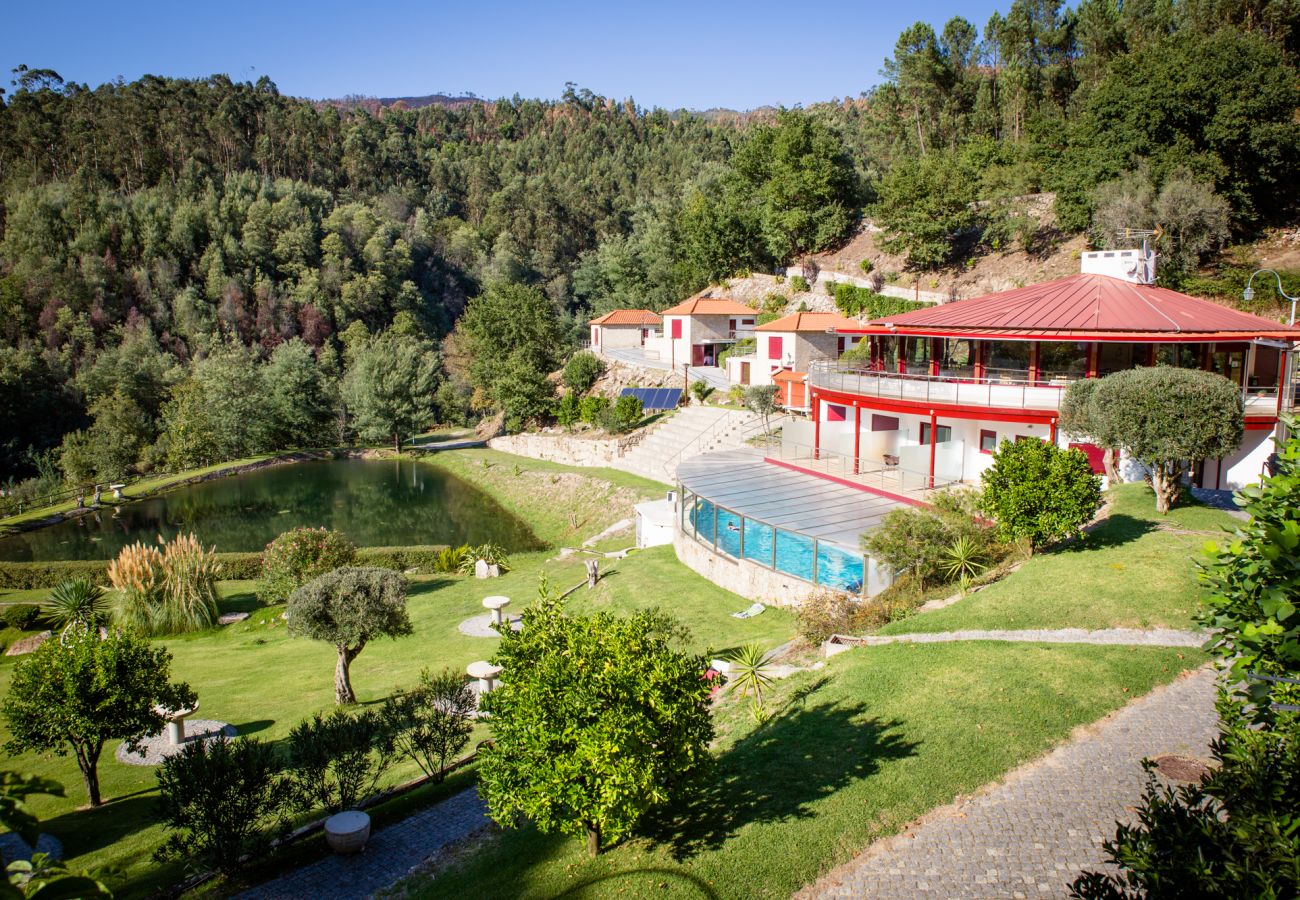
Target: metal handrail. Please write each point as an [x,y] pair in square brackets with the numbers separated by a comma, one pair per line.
[708,433]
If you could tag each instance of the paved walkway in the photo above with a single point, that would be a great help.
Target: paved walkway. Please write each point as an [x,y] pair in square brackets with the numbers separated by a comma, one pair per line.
[389,856]
[1139,637]
[1032,834]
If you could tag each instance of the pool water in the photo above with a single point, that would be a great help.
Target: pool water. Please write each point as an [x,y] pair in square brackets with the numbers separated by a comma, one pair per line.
[785,551]
[376,503]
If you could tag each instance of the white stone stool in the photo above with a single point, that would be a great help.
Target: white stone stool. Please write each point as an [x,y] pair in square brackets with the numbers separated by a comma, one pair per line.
[486,674]
[176,722]
[496,604]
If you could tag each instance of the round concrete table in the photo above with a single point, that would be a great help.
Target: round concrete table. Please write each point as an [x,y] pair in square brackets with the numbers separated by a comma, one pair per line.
[486,674]
[496,604]
[176,722]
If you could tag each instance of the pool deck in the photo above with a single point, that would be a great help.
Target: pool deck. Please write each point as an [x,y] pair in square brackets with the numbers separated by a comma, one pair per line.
[745,483]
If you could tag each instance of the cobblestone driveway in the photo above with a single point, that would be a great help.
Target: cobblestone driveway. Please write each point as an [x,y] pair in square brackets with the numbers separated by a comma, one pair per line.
[1030,835]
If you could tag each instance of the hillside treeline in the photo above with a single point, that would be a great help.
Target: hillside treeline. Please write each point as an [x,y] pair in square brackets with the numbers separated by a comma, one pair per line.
[163,223]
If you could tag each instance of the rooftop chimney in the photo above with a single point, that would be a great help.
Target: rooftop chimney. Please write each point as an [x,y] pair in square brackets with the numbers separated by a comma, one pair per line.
[1135,266]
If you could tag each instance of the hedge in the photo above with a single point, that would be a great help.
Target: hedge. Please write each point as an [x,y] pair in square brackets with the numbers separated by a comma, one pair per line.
[22,576]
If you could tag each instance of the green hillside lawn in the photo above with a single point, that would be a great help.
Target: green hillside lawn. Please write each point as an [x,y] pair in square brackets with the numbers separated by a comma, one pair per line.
[1135,570]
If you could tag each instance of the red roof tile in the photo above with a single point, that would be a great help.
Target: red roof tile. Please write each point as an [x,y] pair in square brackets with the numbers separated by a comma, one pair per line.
[710,306]
[628,317]
[1087,305]
[809,321]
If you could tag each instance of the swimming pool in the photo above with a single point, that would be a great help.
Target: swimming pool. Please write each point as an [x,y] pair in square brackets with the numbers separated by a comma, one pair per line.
[790,552]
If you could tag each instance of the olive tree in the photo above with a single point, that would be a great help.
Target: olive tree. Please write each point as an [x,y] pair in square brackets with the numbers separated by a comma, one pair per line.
[598,721]
[1166,418]
[348,608]
[79,691]
[1077,418]
[761,401]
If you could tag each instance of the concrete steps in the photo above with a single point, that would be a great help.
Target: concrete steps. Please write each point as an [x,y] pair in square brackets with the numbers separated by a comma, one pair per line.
[690,432]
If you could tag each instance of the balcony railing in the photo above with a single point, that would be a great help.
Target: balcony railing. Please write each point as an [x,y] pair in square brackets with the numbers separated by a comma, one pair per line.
[999,390]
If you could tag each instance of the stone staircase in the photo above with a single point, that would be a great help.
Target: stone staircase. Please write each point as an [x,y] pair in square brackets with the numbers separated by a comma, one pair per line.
[689,432]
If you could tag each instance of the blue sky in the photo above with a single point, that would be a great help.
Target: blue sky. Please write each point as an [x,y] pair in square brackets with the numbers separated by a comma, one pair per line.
[673,53]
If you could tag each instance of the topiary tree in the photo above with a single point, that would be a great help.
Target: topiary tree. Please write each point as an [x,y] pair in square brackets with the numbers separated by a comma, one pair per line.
[581,371]
[219,798]
[598,721]
[348,608]
[1166,417]
[1037,492]
[76,693]
[297,556]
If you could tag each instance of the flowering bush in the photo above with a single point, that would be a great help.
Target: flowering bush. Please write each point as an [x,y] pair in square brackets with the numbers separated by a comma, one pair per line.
[296,557]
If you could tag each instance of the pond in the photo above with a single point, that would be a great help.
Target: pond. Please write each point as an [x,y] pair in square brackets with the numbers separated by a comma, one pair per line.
[377,503]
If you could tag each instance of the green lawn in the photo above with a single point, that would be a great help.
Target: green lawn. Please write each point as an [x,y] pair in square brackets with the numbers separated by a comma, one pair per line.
[1135,570]
[257,677]
[857,750]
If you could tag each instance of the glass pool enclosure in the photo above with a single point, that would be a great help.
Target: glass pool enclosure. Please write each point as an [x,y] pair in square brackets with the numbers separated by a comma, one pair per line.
[790,552]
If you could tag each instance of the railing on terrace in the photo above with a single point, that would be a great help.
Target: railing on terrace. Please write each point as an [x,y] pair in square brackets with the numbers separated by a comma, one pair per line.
[1000,388]
[715,430]
[872,473]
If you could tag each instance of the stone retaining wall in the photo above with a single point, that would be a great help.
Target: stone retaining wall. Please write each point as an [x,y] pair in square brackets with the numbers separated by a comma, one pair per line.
[749,580]
[559,448]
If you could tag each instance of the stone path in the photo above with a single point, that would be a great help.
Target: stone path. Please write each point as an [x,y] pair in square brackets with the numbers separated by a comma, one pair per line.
[1032,834]
[1140,637]
[389,856]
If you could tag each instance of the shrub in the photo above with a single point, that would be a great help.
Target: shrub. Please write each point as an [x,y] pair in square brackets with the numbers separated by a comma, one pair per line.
[700,390]
[23,576]
[916,540]
[866,265]
[335,761]
[432,723]
[422,558]
[451,559]
[824,613]
[166,591]
[22,616]
[220,798]
[297,556]
[79,692]
[623,415]
[591,408]
[492,554]
[348,608]
[798,283]
[568,410]
[582,371]
[77,603]
[1038,492]
[585,754]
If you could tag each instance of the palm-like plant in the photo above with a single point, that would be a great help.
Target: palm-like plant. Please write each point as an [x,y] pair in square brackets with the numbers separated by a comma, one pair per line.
[77,603]
[963,560]
[749,675]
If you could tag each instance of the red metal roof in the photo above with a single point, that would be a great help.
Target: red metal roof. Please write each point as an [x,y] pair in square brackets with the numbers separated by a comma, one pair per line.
[709,306]
[1097,307]
[808,321]
[628,317]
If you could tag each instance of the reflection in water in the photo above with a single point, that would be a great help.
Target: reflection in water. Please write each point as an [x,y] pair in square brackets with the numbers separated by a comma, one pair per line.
[377,503]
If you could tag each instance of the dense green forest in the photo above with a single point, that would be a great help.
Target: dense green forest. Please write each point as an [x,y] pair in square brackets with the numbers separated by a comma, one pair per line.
[193,270]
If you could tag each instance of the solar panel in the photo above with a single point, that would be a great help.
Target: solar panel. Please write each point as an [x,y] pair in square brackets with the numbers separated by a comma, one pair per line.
[655,398]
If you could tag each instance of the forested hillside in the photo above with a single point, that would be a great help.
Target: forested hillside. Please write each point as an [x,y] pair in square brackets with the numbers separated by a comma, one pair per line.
[197,269]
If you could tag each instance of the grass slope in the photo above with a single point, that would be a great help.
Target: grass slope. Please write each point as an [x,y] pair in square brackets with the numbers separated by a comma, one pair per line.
[1135,570]
[861,748]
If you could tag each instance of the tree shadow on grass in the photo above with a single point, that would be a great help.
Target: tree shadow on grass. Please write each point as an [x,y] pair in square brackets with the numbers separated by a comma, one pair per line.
[778,770]
[85,831]
[253,727]
[681,881]
[243,601]
[1118,529]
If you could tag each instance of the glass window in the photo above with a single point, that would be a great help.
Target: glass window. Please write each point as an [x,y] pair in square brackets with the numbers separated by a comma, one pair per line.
[1062,360]
[988,441]
[729,533]
[884,353]
[839,569]
[1113,357]
[794,555]
[945,433]
[758,542]
[1007,359]
[958,359]
[1184,356]
[918,355]
[703,517]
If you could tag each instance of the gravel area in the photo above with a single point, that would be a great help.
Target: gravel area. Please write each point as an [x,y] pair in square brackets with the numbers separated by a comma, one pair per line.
[481,626]
[157,747]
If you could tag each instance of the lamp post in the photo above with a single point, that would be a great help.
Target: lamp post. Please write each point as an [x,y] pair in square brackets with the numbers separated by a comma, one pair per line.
[1248,295]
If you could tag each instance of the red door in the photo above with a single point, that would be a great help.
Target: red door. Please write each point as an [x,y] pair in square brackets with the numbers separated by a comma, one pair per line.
[697,354]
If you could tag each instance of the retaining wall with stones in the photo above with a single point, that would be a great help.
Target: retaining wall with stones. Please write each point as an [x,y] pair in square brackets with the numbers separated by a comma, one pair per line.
[749,580]
[559,448]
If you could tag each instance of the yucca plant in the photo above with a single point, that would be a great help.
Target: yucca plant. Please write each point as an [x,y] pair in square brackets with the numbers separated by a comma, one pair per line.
[749,675]
[451,559]
[77,603]
[492,554]
[137,577]
[963,561]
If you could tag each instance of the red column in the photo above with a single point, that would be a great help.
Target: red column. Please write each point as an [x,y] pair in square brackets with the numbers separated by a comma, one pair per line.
[857,435]
[1053,432]
[1033,363]
[936,350]
[817,426]
[934,441]
[979,361]
[1092,359]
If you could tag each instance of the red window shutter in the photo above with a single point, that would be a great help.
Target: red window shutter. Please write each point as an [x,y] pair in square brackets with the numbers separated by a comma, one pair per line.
[883,423]
[774,348]
[834,413]
[677,329]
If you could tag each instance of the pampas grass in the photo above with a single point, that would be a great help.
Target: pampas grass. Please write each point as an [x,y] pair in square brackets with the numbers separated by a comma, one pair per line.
[167,590]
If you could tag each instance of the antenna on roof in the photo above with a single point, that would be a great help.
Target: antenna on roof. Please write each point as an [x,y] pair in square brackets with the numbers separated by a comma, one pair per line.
[1145,271]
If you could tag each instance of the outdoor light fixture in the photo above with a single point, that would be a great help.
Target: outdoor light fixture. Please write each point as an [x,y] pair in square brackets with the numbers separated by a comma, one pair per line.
[1249,293]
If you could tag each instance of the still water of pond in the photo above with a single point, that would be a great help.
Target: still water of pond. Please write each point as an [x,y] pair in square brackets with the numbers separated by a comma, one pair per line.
[377,503]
